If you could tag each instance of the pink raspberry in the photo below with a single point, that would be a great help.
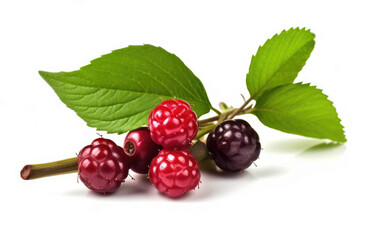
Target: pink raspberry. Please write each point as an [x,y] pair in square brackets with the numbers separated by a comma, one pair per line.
[173,124]
[174,172]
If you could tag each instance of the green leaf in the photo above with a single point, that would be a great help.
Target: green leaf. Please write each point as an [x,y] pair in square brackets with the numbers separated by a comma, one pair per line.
[117,91]
[279,60]
[300,109]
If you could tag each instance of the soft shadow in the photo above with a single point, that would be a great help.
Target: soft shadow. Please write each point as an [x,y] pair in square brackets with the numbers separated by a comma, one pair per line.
[291,145]
[218,183]
[323,147]
[140,186]
[219,187]
[323,150]
[77,192]
[208,166]
[269,171]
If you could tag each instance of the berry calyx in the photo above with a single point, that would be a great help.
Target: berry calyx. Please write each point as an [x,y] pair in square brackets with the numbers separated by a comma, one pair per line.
[173,124]
[234,145]
[174,172]
[102,166]
[140,149]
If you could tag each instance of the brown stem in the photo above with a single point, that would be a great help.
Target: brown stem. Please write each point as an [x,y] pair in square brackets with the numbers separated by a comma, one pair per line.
[208,120]
[246,110]
[34,171]
[239,110]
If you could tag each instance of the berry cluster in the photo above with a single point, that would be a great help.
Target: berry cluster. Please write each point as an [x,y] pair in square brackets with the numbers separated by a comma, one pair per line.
[159,150]
[173,170]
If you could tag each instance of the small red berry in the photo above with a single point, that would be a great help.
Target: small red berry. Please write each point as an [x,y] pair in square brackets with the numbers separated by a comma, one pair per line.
[140,149]
[174,172]
[173,124]
[102,166]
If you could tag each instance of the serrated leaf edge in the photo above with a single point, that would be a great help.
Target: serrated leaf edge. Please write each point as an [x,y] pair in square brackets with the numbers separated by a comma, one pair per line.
[326,97]
[268,40]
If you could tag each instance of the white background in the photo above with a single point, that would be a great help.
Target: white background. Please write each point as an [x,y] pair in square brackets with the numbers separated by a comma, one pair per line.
[301,189]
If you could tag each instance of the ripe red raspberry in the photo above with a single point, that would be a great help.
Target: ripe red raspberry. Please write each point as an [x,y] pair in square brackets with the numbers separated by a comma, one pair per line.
[173,124]
[140,149]
[174,172]
[102,166]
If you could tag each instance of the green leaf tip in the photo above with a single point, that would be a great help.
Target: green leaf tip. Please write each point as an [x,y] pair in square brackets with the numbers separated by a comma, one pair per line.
[279,60]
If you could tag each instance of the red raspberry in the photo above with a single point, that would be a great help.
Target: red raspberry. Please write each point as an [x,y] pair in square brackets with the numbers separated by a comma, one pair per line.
[173,124]
[102,166]
[174,172]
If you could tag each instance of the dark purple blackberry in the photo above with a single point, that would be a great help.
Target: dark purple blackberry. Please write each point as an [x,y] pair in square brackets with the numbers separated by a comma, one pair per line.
[234,145]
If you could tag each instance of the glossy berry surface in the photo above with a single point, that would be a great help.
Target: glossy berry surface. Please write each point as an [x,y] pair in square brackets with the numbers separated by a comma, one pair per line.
[140,149]
[174,172]
[234,145]
[102,166]
[173,124]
